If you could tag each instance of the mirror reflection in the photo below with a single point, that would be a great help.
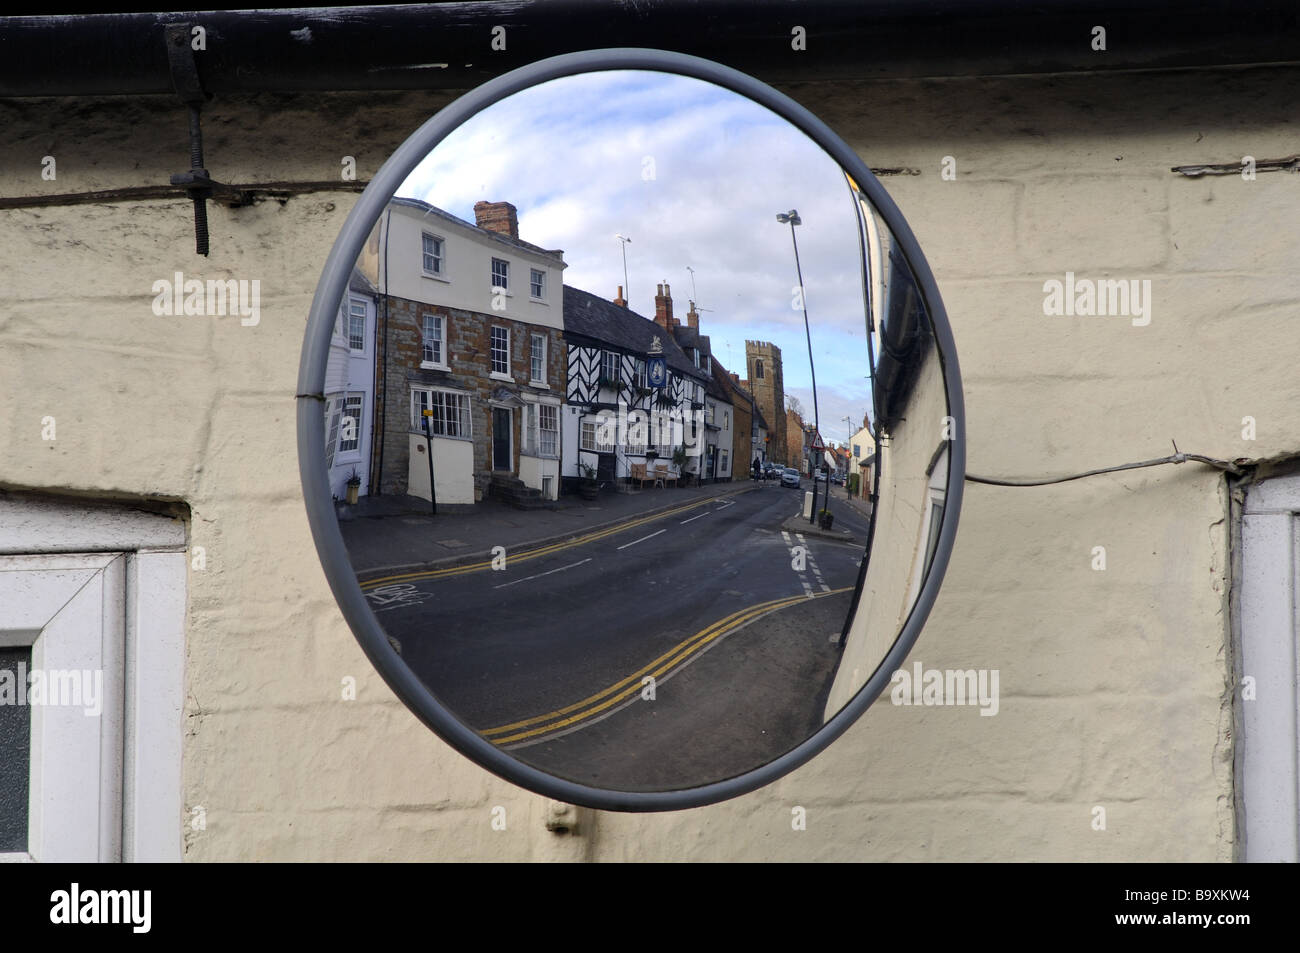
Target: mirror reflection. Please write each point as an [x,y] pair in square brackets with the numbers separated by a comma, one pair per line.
[579,461]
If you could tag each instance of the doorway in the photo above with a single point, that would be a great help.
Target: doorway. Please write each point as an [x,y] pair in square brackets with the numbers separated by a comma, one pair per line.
[502,444]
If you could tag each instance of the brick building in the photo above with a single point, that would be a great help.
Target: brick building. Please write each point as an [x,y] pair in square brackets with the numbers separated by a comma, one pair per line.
[470,329]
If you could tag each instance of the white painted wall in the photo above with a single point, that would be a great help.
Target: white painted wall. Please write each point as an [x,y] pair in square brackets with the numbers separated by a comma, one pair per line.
[1115,685]
[453,469]
[467,280]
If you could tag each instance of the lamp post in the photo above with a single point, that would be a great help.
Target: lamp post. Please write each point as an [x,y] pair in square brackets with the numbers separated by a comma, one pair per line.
[848,420]
[627,291]
[792,219]
[428,450]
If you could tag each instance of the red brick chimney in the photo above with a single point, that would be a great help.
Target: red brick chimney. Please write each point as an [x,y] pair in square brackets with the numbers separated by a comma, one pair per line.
[664,307]
[497,217]
[620,300]
[693,318]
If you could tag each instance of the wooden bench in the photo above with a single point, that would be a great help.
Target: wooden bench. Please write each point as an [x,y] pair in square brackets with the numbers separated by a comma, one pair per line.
[664,475]
[640,475]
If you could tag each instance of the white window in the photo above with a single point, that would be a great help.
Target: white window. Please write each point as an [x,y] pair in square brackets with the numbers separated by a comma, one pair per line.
[1268,705]
[636,433]
[641,375]
[433,340]
[549,428]
[537,369]
[726,420]
[537,284]
[333,414]
[350,423]
[592,433]
[609,365]
[433,255]
[356,324]
[542,430]
[724,462]
[450,417]
[500,274]
[90,761]
[500,350]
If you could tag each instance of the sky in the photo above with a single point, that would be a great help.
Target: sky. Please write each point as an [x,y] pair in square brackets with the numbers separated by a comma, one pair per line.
[694,175]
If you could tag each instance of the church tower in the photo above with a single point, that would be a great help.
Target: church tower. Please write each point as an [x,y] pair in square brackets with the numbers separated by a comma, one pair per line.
[763,364]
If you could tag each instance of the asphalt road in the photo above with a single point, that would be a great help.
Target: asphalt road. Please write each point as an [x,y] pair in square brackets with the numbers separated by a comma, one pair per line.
[677,651]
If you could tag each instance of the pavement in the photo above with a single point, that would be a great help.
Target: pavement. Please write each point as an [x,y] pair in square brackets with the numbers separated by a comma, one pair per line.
[399,532]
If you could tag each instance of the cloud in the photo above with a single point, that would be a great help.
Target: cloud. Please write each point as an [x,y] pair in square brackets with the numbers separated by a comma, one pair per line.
[694,175]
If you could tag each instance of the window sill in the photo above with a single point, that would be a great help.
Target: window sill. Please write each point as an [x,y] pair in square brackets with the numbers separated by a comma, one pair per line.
[430,366]
[541,385]
[437,436]
[501,377]
[445,281]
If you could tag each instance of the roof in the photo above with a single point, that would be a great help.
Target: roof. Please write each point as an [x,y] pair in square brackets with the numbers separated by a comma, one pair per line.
[359,283]
[591,316]
[486,233]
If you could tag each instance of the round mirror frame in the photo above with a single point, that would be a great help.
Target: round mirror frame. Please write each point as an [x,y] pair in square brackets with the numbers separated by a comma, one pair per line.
[318,499]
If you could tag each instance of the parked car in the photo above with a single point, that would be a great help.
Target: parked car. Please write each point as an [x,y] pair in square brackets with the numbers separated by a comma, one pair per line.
[790,477]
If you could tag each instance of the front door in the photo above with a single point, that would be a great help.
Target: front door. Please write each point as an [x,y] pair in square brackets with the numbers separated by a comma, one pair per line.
[502,458]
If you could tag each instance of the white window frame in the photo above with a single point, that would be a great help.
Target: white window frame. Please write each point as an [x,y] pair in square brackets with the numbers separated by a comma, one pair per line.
[592,446]
[492,353]
[365,322]
[534,379]
[465,415]
[440,257]
[532,274]
[333,413]
[353,455]
[129,785]
[605,358]
[1266,620]
[542,450]
[504,274]
[440,363]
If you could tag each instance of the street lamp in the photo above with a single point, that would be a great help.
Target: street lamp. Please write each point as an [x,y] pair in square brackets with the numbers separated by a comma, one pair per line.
[627,291]
[792,219]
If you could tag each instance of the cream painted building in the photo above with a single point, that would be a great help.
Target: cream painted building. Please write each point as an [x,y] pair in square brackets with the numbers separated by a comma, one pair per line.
[1122,611]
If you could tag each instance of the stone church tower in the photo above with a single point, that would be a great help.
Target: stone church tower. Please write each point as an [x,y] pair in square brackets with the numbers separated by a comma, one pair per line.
[763,364]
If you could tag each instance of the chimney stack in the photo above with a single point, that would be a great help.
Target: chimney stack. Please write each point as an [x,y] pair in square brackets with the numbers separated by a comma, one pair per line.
[664,307]
[499,217]
[620,300]
[692,318]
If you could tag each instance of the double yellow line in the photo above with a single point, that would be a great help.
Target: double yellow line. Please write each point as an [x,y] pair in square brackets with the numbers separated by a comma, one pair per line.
[540,551]
[625,688]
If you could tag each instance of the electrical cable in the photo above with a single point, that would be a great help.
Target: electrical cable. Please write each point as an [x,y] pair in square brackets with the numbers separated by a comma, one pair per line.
[1176,457]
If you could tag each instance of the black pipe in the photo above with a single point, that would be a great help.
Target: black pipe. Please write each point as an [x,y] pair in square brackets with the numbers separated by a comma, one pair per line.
[451,45]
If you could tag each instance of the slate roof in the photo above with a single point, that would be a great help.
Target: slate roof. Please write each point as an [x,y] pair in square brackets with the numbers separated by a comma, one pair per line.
[590,316]
[359,283]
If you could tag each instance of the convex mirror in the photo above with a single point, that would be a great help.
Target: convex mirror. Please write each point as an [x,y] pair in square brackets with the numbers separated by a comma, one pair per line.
[630,430]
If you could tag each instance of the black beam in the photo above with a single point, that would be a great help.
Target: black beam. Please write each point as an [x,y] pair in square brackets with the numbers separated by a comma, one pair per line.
[450,45]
